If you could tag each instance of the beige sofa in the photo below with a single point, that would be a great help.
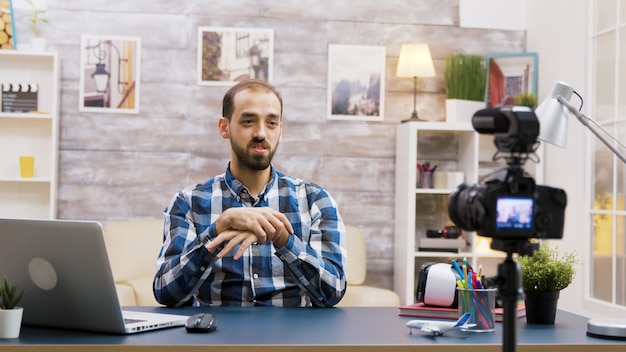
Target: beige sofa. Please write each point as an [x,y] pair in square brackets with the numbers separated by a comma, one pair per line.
[358,294]
[133,247]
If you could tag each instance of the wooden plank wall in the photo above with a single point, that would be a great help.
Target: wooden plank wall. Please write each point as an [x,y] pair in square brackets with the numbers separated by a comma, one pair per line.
[124,166]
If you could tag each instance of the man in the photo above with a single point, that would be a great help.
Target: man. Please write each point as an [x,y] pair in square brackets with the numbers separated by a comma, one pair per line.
[252,236]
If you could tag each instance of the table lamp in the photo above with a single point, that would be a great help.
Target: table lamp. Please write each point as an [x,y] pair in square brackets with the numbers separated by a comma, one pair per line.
[415,61]
[553,113]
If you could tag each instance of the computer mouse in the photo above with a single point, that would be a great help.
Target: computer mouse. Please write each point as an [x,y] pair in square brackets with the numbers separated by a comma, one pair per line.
[201,322]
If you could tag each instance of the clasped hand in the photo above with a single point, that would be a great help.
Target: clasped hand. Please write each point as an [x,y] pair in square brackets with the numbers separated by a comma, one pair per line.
[247,226]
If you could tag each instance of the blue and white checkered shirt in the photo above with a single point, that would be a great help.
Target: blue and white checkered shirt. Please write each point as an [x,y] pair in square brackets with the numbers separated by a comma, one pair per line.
[308,271]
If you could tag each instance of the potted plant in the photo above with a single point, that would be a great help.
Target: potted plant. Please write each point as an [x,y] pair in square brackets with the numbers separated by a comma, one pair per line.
[37,43]
[526,99]
[466,80]
[10,313]
[544,274]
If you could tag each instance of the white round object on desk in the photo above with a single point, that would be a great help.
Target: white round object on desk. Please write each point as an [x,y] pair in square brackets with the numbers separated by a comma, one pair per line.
[607,328]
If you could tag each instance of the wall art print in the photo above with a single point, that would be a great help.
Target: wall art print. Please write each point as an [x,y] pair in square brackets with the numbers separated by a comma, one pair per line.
[110,74]
[356,82]
[230,55]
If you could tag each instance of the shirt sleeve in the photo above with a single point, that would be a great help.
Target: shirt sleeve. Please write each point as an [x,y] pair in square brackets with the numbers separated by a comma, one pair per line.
[317,266]
[184,262]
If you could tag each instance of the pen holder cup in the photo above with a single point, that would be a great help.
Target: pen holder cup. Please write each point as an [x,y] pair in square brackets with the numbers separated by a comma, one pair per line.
[27,166]
[424,179]
[481,303]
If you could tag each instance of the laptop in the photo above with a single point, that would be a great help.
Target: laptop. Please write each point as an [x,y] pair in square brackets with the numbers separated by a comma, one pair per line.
[65,269]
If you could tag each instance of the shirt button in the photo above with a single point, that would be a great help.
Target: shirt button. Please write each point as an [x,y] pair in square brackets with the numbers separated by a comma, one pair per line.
[202,268]
[256,276]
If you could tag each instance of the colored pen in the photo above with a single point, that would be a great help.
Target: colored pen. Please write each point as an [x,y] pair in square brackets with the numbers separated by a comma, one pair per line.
[465,271]
[458,269]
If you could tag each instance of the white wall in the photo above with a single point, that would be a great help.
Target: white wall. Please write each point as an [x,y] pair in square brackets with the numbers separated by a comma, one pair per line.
[558,31]
[498,14]
[561,41]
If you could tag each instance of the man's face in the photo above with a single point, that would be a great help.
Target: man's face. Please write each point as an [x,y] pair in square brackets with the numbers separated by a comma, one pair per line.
[255,129]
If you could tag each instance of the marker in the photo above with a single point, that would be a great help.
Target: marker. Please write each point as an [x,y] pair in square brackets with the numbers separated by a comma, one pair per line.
[465,271]
[458,269]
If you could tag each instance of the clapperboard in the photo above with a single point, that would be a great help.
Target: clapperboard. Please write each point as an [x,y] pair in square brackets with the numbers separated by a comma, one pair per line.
[19,97]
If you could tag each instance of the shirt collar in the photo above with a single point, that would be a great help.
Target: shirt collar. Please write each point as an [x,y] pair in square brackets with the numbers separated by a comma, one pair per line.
[236,187]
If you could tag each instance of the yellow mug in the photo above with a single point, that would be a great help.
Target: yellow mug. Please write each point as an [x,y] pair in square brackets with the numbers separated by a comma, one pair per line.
[27,166]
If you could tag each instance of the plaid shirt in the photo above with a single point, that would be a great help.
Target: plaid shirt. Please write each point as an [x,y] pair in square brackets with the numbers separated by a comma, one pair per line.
[308,271]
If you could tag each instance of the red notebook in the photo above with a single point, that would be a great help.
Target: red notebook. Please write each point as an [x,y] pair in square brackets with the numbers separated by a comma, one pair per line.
[423,311]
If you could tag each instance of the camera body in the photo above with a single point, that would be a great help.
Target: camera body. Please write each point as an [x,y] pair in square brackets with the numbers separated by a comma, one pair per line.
[508,204]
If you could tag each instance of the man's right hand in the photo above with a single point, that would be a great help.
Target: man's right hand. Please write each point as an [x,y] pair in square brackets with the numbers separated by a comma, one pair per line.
[248,226]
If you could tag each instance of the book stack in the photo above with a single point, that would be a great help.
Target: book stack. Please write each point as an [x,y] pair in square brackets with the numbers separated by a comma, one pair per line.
[424,311]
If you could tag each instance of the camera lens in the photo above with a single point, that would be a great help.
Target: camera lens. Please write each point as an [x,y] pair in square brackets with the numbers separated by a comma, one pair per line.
[464,207]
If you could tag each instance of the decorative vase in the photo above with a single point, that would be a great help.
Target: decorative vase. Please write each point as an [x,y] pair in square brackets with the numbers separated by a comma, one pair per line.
[10,322]
[38,44]
[461,111]
[541,306]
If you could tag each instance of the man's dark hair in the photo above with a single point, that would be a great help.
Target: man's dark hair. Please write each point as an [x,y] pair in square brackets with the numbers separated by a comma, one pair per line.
[228,105]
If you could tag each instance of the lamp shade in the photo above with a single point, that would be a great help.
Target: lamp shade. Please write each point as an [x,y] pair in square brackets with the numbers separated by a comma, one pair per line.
[101,77]
[552,115]
[415,61]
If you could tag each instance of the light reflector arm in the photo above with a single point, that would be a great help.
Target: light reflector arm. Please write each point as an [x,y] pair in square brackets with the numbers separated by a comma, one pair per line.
[585,120]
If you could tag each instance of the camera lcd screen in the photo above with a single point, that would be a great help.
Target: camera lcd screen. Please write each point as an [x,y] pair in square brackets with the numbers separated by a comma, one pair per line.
[515,213]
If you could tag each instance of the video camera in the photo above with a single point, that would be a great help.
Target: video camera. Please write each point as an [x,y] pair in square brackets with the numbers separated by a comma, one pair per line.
[508,204]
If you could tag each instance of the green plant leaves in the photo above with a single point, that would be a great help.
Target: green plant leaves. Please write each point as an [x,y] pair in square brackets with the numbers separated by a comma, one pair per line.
[466,77]
[545,270]
[8,297]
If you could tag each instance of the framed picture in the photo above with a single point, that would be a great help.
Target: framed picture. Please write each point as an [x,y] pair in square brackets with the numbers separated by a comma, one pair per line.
[230,55]
[356,82]
[509,75]
[7,26]
[110,74]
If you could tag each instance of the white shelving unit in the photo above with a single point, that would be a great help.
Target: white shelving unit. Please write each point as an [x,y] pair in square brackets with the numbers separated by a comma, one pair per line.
[456,147]
[30,133]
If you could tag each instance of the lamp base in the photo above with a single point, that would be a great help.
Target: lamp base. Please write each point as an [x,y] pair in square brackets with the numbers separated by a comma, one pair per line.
[414,117]
[607,328]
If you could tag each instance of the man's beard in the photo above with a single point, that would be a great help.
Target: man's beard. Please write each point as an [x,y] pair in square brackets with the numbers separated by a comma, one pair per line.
[254,162]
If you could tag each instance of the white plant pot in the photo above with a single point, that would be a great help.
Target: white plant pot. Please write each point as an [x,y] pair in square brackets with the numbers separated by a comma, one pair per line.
[461,111]
[11,322]
[38,44]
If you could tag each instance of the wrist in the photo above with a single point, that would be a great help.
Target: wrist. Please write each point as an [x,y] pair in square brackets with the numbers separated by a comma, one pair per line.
[282,241]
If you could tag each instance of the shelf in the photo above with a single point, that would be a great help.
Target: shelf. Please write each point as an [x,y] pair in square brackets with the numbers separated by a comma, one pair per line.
[30,133]
[454,147]
[32,115]
[427,254]
[26,180]
[458,150]
[442,191]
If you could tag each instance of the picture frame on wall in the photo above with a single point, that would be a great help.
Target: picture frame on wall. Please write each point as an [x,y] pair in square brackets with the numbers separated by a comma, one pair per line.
[110,74]
[7,26]
[509,75]
[230,55]
[356,82]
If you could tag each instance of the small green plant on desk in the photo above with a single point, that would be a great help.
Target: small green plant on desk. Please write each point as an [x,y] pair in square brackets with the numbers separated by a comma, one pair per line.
[9,297]
[545,270]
